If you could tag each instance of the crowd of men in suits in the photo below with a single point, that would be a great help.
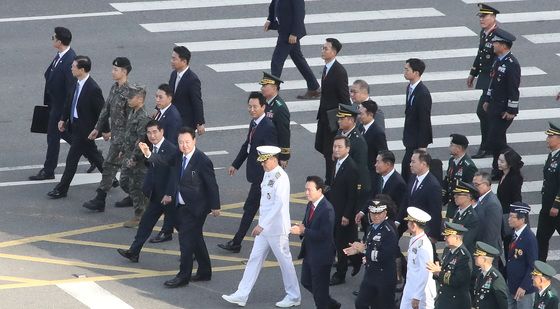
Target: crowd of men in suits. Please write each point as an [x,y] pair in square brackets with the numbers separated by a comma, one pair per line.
[163,172]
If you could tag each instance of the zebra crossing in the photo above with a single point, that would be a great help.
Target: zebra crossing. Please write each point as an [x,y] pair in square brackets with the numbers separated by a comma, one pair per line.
[539,82]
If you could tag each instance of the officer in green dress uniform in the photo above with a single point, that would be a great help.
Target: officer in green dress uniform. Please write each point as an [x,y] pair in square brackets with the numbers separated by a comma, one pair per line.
[490,289]
[453,276]
[465,196]
[482,66]
[546,297]
[549,221]
[277,111]
[460,167]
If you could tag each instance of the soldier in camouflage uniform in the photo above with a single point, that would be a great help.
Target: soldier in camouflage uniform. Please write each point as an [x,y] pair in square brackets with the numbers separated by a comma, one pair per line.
[133,161]
[116,108]
[277,111]
[460,167]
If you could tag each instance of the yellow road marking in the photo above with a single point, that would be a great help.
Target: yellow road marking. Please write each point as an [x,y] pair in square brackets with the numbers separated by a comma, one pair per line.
[20,279]
[299,201]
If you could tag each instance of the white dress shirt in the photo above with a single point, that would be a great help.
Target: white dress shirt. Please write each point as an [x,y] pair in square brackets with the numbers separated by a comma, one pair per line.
[80,86]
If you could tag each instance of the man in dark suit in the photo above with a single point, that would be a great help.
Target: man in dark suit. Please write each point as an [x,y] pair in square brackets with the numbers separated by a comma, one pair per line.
[334,90]
[318,248]
[187,93]
[261,132]
[417,132]
[343,194]
[157,186]
[59,83]
[375,138]
[79,117]
[489,212]
[424,192]
[287,16]
[359,94]
[196,195]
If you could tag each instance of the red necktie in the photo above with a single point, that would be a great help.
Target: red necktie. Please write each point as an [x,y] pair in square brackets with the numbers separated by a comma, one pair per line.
[311,212]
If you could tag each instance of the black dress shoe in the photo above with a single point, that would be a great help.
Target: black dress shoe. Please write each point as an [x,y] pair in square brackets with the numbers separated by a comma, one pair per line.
[91,168]
[198,277]
[125,202]
[356,269]
[176,282]
[481,153]
[56,194]
[161,237]
[41,176]
[337,280]
[133,257]
[334,304]
[230,246]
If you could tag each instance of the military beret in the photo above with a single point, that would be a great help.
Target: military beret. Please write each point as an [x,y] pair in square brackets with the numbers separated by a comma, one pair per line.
[464,187]
[459,139]
[376,206]
[552,130]
[269,79]
[122,62]
[416,214]
[453,229]
[484,249]
[519,208]
[484,9]
[345,110]
[543,269]
[267,152]
[500,35]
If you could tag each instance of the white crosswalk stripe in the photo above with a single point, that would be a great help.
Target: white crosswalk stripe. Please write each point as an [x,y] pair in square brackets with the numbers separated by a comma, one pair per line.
[309,19]
[181,4]
[543,38]
[528,16]
[348,37]
[390,78]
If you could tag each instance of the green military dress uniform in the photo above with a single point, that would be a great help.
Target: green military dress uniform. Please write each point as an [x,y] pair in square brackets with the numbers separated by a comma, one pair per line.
[463,170]
[490,290]
[546,299]
[132,177]
[468,218]
[278,112]
[455,276]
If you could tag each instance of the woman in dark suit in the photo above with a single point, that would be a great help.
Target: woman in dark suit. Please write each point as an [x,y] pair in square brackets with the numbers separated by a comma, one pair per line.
[509,188]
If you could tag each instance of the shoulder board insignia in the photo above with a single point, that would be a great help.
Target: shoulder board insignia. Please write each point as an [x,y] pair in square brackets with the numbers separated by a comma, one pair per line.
[359,187]
[461,251]
[277,175]
[510,60]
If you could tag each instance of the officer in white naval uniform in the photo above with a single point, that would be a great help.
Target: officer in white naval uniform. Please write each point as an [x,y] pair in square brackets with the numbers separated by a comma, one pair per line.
[420,288]
[271,233]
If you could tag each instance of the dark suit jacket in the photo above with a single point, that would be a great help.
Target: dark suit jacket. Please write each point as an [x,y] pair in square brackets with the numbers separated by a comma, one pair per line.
[509,190]
[156,183]
[520,261]
[59,83]
[343,192]
[290,15]
[318,246]
[334,90]
[376,141]
[417,132]
[265,135]
[395,188]
[198,185]
[490,216]
[171,122]
[428,198]
[188,98]
[89,106]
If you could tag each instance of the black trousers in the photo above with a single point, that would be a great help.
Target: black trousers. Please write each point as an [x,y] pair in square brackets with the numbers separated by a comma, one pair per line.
[376,291]
[483,118]
[315,279]
[546,227]
[343,235]
[148,221]
[281,52]
[497,140]
[405,168]
[168,224]
[192,242]
[250,209]
[53,140]
[81,146]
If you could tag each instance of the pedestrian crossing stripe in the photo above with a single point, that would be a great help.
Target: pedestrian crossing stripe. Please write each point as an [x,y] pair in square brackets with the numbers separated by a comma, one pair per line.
[528,16]
[232,23]
[389,79]
[350,59]
[543,38]
[344,37]
[182,4]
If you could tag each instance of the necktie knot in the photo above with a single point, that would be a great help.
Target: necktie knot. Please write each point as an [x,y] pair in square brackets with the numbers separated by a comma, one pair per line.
[155,149]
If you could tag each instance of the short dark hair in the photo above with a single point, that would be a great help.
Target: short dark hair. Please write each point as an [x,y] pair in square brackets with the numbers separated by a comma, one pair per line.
[257,95]
[63,35]
[335,44]
[318,181]
[187,130]
[83,62]
[370,106]
[342,137]
[387,156]
[416,65]
[486,177]
[183,53]
[362,84]
[154,123]
[167,89]
[423,156]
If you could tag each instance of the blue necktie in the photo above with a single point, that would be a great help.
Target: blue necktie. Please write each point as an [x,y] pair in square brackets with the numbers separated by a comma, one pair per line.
[184,165]
[74,101]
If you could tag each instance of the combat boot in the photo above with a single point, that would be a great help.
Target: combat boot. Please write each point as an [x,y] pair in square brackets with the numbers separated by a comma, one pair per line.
[125,202]
[98,203]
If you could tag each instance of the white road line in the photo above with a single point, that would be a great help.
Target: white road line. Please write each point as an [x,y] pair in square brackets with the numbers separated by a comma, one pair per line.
[389,79]
[93,296]
[345,38]
[528,16]
[437,97]
[46,17]
[543,38]
[235,127]
[182,4]
[309,19]
[350,59]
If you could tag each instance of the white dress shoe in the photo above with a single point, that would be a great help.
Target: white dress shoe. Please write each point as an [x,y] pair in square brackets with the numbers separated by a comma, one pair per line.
[287,303]
[234,300]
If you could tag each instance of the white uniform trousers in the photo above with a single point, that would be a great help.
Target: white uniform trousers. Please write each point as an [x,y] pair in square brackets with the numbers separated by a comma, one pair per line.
[281,250]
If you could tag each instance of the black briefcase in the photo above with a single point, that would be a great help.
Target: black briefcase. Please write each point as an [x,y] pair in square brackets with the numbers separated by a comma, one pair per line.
[40,121]
[333,120]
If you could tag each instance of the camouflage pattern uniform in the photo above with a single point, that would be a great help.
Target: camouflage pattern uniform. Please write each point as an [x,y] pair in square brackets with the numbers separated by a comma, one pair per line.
[116,108]
[133,161]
